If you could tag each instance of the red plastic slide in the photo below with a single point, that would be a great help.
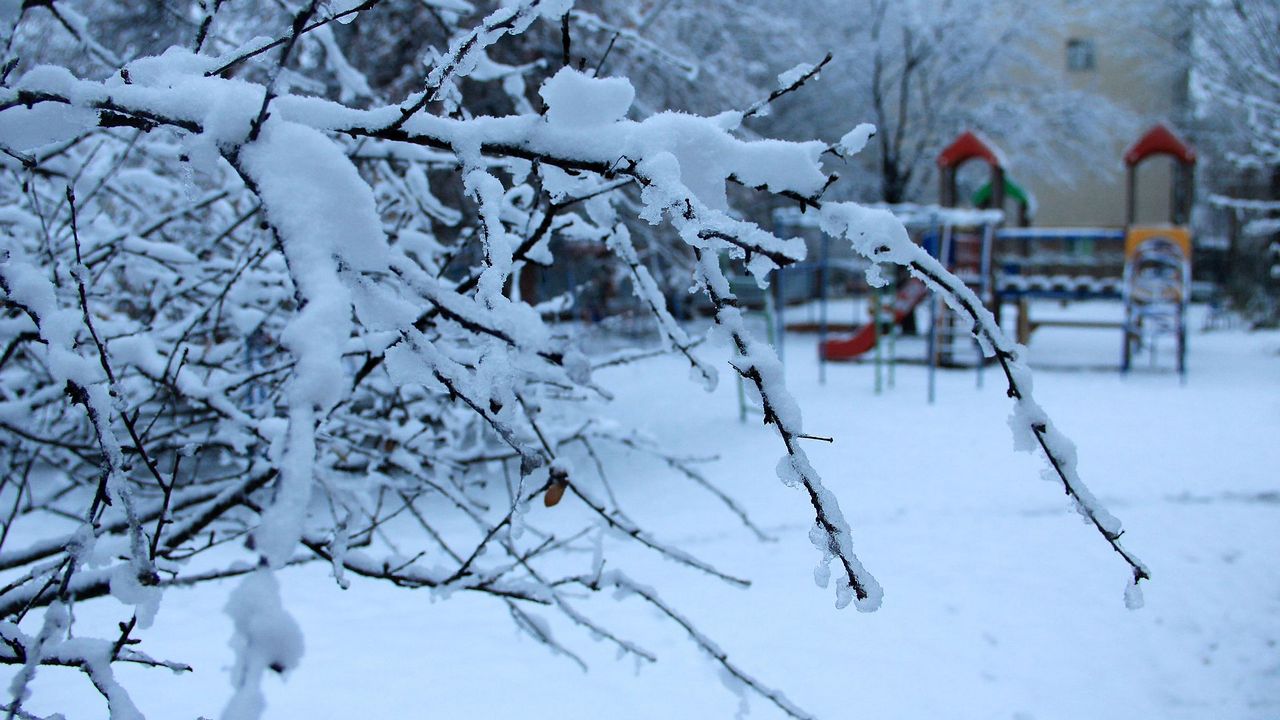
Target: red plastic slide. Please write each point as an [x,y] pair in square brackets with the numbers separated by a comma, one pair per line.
[908,297]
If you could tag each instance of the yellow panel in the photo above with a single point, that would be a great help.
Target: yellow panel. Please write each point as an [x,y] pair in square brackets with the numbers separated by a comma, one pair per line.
[1176,234]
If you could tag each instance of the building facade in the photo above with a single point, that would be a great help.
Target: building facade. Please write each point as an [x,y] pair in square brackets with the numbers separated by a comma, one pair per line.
[1140,63]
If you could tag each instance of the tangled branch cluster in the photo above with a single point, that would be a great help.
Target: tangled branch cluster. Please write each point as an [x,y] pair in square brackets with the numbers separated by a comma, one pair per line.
[247,327]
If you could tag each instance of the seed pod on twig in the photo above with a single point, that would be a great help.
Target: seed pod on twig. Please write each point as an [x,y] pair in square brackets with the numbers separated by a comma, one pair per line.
[559,481]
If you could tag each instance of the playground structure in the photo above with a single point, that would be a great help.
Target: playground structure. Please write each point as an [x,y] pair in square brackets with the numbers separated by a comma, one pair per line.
[962,235]
[1146,267]
[904,301]
[1157,281]
[1157,271]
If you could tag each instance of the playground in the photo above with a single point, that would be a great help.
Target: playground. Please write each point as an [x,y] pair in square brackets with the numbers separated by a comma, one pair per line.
[1133,280]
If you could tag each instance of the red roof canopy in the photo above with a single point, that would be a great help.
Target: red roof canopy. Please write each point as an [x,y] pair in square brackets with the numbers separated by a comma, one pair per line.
[1159,140]
[965,147]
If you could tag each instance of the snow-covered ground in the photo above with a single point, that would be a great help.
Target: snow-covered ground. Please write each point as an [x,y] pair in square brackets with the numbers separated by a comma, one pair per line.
[999,602]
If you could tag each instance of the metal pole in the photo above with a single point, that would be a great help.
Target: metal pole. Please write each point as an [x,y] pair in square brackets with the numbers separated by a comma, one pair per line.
[780,301]
[893,352]
[876,304]
[1130,194]
[944,256]
[780,321]
[893,332]
[935,313]
[822,309]
[988,242]
[933,346]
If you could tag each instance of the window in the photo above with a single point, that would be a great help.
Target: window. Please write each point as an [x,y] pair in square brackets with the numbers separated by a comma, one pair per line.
[1080,55]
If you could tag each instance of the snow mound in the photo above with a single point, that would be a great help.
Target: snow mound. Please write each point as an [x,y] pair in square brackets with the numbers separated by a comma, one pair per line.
[575,99]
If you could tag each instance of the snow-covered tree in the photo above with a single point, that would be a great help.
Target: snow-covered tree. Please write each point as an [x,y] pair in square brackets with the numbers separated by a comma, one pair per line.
[1236,86]
[260,311]
[924,70]
[1237,73]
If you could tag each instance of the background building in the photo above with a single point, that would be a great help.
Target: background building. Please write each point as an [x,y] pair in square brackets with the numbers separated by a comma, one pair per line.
[1139,62]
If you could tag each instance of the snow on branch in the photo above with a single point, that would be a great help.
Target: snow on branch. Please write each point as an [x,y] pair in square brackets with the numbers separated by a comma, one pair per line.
[879,236]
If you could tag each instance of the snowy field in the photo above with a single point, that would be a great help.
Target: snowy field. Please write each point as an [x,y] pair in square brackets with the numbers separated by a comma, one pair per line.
[999,602]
